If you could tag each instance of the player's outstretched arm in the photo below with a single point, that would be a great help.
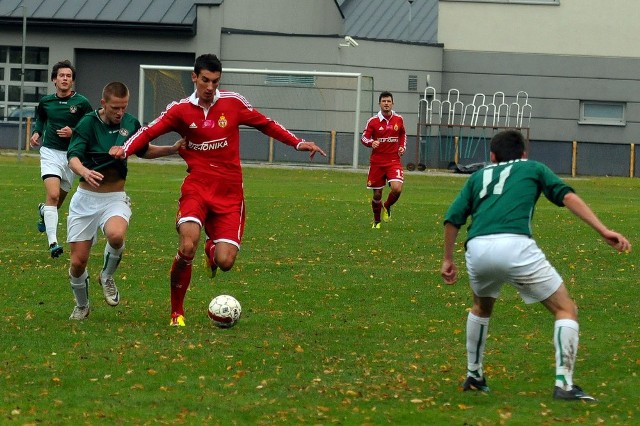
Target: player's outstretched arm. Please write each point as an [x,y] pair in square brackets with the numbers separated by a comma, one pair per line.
[449,271]
[156,151]
[578,207]
[312,147]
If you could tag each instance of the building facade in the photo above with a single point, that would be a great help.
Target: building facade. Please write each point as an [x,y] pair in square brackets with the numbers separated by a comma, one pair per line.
[577,70]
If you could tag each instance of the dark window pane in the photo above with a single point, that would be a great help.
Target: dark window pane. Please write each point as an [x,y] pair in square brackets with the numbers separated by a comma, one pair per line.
[37,55]
[31,94]
[15,55]
[33,55]
[29,75]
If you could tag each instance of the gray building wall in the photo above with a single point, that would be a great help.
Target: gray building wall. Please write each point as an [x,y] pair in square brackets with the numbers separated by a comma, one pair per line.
[555,84]
[553,69]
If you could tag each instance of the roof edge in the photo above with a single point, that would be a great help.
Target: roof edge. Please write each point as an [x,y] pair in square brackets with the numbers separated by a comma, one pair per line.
[88,25]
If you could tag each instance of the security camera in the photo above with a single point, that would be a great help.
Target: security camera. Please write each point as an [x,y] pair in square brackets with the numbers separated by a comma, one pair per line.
[351,41]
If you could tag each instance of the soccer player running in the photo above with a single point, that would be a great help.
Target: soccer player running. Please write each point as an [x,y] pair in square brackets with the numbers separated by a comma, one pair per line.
[212,194]
[100,201]
[386,136]
[56,116]
[500,249]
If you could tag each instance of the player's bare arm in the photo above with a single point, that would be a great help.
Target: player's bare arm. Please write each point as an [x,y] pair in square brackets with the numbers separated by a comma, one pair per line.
[93,178]
[156,151]
[449,271]
[312,147]
[578,207]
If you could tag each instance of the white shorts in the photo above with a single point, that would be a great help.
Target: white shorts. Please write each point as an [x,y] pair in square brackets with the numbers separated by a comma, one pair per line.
[54,163]
[493,260]
[89,211]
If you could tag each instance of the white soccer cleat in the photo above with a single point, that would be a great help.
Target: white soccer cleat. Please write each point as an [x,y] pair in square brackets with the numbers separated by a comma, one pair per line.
[110,291]
[80,312]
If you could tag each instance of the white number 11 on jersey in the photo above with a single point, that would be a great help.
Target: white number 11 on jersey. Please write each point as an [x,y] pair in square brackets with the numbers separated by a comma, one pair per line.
[487,178]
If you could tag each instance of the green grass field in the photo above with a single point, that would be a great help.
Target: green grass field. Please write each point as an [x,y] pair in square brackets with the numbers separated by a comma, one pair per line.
[341,324]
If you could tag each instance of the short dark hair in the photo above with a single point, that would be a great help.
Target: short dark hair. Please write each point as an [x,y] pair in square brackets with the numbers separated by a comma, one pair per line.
[62,64]
[385,94]
[115,89]
[508,145]
[209,62]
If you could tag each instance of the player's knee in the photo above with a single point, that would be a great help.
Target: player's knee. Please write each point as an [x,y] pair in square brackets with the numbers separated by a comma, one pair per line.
[53,199]
[396,188]
[188,248]
[226,262]
[226,257]
[116,240]
[78,266]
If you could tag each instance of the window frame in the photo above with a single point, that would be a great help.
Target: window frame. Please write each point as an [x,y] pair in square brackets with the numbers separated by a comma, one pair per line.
[8,83]
[600,120]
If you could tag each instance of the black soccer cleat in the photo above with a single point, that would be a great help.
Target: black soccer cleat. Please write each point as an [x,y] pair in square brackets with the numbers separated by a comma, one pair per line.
[55,250]
[575,394]
[471,383]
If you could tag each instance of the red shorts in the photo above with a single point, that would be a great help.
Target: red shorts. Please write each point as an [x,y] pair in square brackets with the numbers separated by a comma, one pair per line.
[380,174]
[217,206]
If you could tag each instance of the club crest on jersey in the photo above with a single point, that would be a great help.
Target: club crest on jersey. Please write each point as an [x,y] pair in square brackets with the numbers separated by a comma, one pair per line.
[73,109]
[395,127]
[222,121]
[123,132]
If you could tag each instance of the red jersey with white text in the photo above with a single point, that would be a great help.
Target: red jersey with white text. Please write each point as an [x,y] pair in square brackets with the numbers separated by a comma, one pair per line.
[390,132]
[213,135]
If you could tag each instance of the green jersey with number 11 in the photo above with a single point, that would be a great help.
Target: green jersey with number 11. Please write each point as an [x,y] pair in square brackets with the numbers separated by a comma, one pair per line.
[501,198]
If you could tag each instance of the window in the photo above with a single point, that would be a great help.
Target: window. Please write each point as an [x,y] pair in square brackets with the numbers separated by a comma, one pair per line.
[36,78]
[602,113]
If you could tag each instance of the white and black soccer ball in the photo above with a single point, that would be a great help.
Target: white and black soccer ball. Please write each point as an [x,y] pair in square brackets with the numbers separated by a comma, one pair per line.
[224,311]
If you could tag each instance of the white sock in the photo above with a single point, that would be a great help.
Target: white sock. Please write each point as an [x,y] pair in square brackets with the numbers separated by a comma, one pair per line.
[477,329]
[565,340]
[112,259]
[50,214]
[80,288]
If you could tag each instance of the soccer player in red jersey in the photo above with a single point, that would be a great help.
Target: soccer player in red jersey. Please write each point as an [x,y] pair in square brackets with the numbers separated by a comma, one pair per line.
[386,136]
[212,194]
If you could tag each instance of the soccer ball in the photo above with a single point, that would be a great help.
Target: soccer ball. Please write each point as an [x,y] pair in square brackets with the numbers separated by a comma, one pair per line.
[224,311]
